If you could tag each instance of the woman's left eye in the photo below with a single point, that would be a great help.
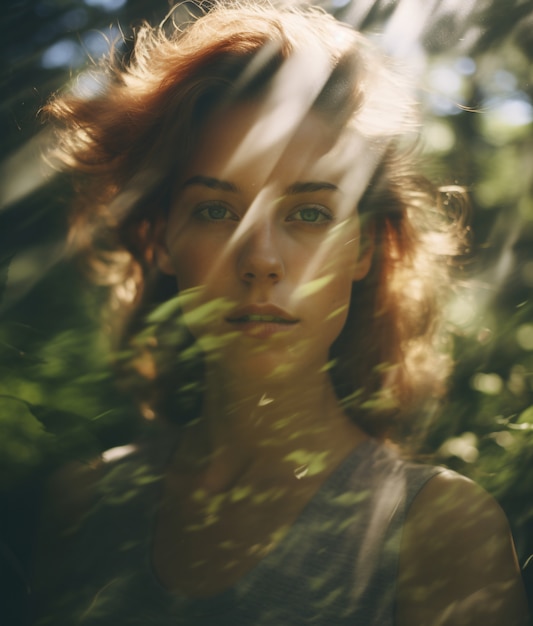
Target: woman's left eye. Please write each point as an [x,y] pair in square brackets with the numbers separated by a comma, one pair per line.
[311,215]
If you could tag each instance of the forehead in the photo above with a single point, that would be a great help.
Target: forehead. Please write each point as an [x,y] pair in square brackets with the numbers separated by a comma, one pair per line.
[247,143]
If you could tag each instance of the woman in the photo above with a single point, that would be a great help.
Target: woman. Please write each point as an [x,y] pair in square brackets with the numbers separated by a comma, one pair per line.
[259,159]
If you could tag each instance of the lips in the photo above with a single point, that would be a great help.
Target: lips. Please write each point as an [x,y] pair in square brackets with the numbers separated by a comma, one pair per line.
[261,321]
[255,317]
[261,314]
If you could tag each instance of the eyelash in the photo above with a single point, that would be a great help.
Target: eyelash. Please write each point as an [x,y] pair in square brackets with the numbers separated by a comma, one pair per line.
[204,207]
[324,216]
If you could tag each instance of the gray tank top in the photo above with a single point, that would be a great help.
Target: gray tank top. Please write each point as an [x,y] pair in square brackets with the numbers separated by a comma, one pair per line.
[337,565]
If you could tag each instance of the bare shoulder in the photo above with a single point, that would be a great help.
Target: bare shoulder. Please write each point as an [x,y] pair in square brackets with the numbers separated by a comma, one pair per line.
[457,560]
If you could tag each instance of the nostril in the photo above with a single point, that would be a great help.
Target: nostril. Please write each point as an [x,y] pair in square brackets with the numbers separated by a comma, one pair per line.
[252,276]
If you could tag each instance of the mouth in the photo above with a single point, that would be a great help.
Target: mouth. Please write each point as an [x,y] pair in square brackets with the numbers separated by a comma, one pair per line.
[261,321]
[265,319]
[262,314]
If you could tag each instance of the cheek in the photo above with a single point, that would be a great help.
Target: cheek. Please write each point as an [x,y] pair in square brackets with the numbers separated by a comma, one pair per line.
[193,263]
[337,302]
[201,283]
[329,308]
[343,251]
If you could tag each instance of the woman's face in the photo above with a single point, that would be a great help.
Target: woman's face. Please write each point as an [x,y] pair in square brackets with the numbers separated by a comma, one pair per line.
[265,242]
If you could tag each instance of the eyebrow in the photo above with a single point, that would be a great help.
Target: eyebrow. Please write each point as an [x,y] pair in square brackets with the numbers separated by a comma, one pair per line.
[226,185]
[212,183]
[310,187]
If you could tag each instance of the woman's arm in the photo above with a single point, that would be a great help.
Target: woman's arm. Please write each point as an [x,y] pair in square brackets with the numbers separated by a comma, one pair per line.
[458,565]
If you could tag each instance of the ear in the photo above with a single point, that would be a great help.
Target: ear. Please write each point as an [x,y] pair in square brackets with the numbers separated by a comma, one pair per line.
[161,253]
[366,251]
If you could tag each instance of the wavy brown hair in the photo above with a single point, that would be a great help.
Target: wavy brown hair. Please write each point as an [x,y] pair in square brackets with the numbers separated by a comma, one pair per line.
[124,147]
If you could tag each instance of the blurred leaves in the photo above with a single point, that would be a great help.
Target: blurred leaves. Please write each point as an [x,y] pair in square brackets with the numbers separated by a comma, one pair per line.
[57,395]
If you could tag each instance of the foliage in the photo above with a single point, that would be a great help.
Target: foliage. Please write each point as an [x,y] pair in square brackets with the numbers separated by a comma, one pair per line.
[57,399]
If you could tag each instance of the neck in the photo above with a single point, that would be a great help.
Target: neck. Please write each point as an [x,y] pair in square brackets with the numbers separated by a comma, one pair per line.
[266,430]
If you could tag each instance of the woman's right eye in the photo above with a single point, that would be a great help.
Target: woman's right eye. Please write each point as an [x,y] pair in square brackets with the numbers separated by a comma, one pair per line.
[215,212]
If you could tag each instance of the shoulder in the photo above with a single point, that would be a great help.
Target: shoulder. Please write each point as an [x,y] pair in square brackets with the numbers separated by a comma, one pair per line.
[457,559]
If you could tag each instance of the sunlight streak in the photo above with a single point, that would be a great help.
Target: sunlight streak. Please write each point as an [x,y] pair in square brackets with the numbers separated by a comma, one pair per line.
[27,268]
[25,171]
[283,109]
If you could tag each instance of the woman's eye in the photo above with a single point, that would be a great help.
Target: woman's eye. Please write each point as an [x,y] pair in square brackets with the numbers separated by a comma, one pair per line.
[311,215]
[215,212]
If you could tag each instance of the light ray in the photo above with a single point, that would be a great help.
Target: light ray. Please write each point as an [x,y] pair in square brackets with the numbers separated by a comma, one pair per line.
[25,171]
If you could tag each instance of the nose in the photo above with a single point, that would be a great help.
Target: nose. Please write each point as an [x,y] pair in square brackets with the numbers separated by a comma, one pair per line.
[259,259]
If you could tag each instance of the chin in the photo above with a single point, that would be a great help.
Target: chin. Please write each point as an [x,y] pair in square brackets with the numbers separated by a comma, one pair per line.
[267,363]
